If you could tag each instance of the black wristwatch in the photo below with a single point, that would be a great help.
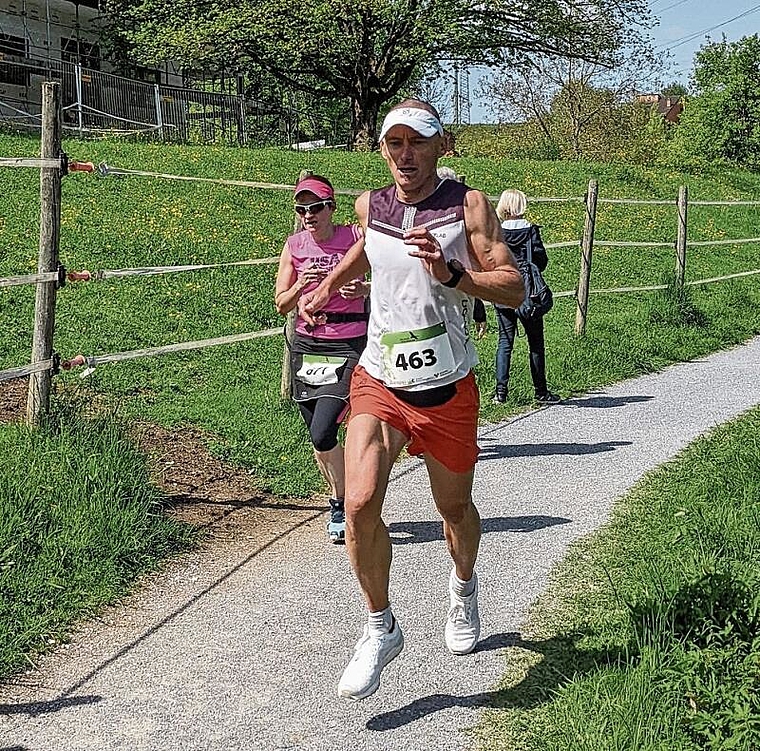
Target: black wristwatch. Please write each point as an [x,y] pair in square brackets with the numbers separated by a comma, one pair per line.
[457,272]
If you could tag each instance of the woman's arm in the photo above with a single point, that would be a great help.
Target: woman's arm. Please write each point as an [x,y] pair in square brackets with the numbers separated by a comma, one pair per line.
[289,285]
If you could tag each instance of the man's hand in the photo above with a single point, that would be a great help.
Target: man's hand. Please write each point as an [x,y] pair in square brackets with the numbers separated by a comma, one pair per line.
[428,250]
[310,305]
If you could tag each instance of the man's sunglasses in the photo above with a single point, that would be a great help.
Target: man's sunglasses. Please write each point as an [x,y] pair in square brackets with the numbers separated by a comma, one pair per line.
[311,208]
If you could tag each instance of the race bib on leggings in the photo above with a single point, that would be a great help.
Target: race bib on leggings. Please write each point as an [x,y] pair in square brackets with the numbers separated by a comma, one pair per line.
[320,370]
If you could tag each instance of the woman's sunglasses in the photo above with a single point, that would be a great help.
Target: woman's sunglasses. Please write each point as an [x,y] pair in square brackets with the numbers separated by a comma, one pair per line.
[311,208]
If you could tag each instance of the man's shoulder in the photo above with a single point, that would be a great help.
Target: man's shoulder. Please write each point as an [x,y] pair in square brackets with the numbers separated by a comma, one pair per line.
[476,199]
[380,201]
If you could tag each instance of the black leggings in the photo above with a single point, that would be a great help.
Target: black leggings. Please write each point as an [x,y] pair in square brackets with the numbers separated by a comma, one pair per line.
[534,330]
[323,417]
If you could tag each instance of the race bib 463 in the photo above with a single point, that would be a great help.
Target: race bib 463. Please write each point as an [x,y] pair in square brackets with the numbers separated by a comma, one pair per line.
[420,356]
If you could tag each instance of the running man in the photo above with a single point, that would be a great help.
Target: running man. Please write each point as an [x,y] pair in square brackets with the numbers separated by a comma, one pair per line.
[431,245]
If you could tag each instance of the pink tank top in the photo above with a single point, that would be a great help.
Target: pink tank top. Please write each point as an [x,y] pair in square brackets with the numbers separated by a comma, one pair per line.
[304,250]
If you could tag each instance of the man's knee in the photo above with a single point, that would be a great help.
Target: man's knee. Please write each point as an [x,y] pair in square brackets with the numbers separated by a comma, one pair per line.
[454,511]
[362,510]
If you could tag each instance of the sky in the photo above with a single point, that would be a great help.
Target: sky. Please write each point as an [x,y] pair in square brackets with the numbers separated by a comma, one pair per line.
[679,20]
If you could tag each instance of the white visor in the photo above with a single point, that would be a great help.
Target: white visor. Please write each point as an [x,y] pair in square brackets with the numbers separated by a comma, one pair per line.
[422,121]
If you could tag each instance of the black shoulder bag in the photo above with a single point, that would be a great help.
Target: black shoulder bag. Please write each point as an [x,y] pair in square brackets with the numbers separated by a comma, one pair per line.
[538,297]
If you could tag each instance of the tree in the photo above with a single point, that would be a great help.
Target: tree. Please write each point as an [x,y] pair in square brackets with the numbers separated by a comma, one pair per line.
[367,51]
[721,122]
[675,89]
[576,104]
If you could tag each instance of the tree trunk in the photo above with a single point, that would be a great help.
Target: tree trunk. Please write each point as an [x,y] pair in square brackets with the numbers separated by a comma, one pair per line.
[364,114]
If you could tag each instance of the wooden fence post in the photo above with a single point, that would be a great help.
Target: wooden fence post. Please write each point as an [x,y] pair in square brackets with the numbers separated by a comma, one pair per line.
[290,325]
[683,205]
[38,396]
[584,280]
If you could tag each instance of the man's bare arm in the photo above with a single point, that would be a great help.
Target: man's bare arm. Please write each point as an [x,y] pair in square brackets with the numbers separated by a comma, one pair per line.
[353,265]
[495,276]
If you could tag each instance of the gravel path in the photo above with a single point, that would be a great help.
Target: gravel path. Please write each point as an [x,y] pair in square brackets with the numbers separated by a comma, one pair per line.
[242,649]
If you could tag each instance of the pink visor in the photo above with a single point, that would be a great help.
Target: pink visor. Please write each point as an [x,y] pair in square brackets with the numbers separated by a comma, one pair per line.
[317,187]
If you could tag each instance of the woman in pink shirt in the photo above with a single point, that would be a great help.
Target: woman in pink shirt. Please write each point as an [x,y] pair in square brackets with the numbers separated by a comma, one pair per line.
[324,355]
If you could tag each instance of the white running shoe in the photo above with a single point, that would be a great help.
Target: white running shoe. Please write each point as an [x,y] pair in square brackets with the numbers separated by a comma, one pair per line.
[463,621]
[372,653]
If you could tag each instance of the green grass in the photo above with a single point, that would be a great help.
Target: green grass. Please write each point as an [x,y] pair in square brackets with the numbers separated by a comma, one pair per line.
[647,637]
[233,392]
[79,521]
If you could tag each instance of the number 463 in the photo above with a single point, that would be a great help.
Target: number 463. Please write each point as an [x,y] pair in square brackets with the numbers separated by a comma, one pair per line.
[416,360]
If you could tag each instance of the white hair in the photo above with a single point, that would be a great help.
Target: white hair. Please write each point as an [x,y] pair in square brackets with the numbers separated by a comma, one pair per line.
[512,202]
[446,173]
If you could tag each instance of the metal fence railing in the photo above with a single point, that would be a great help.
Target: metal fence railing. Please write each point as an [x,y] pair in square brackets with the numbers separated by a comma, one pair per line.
[97,102]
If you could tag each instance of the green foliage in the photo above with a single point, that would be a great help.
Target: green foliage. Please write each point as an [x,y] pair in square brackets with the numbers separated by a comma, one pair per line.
[509,141]
[674,306]
[617,133]
[648,635]
[721,121]
[79,521]
[580,108]
[707,632]
[364,50]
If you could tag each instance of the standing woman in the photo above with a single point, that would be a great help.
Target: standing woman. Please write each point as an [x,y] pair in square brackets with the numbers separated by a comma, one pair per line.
[520,235]
[323,355]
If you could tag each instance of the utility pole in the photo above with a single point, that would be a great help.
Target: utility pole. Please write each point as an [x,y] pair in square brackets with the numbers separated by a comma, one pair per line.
[457,118]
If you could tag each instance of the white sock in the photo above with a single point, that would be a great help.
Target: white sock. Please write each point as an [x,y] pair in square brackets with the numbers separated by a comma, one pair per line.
[461,588]
[380,622]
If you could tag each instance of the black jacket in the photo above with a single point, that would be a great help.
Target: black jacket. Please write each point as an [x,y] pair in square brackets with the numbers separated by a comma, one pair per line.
[517,241]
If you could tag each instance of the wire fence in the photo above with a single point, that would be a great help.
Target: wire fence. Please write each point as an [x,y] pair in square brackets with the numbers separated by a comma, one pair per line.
[98,103]
[59,276]
[99,275]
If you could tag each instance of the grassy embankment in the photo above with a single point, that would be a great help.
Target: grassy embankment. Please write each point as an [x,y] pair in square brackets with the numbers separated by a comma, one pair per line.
[233,392]
[79,521]
[647,639]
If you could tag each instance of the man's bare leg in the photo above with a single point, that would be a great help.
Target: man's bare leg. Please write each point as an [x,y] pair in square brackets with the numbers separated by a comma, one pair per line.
[372,447]
[452,492]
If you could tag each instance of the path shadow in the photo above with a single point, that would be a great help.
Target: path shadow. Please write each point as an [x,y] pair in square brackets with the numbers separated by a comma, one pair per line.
[404,533]
[14,748]
[506,451]
[37,708]
[561,658]
[606,402]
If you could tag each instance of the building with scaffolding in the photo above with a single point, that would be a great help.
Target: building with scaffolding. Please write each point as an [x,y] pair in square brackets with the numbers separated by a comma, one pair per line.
[43,40]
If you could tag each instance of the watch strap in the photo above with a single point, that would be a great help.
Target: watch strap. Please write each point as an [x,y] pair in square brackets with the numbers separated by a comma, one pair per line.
[456,275]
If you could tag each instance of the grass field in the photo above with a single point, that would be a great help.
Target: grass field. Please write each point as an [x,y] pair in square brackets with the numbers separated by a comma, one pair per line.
[647,639]
[233,392]
[79,521]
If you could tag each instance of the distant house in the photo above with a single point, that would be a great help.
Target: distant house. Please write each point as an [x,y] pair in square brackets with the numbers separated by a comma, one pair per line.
[62,40]
[670,107]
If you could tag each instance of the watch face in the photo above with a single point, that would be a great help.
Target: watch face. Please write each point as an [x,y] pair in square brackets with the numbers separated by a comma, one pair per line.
[455,265]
